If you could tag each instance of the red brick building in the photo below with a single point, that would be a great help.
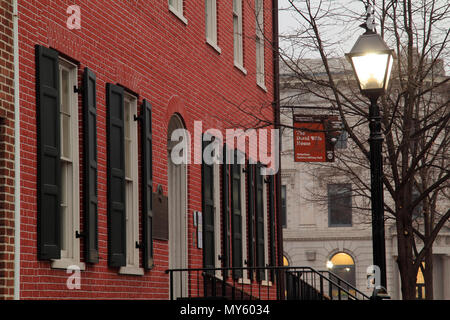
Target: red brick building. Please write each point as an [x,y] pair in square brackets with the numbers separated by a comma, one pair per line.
[7,165]
[104,210]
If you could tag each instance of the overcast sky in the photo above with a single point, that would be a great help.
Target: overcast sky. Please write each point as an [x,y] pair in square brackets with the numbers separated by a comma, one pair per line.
[339,30]
[288,22]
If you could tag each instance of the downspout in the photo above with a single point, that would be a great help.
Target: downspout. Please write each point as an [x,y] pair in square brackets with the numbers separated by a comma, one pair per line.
[16,154]
[276,111]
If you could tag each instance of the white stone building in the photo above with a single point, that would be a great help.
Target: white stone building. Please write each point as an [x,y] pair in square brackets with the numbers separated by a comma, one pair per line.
[323,230]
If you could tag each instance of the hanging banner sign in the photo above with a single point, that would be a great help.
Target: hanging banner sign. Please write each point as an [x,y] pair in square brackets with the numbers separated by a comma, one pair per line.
[312,141]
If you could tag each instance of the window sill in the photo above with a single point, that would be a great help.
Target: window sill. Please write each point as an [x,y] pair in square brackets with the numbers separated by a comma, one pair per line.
[244,281]
[240,68]
[178,14]
[131,270]
[214,45]
[266,283]
[262,86]
[340,226]
[67,264]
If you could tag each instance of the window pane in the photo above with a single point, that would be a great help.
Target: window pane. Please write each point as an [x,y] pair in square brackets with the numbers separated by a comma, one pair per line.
[283,206]
[260,60]
[207,18]
[236,37]
[65,136]
[65,98]
[66,207]
[340,205]
[127,134]
[341,142]
[65,114]
[129,221]
[63,205]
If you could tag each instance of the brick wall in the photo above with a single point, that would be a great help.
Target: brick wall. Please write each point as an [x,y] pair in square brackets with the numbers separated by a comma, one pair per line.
[146,48]
[6,151]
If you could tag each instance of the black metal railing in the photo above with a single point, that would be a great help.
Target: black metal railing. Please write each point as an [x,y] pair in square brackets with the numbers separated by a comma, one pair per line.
[260,283]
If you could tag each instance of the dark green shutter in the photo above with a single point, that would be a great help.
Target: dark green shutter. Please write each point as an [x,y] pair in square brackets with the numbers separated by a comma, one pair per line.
[116,176]
[49,151]
[236,217]
[251,215]
[225,210]
[272,222]
[147,184]
[259,219]
[90,166]
[208,212]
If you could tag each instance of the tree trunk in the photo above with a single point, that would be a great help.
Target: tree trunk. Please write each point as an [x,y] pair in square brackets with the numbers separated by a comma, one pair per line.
[407,276]
[428,275]
[405,256]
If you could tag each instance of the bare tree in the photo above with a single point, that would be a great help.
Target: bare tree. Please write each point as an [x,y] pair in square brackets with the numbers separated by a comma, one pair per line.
[415,111]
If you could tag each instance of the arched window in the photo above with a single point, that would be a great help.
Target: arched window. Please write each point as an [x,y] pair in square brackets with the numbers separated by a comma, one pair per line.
[342,267]
[285,261]
[420,284]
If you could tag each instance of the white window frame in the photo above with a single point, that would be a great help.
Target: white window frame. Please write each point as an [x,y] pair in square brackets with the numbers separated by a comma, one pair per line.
[211,24]
[176,7]
[259,36]
[70,183]
[131,187]
[238,44]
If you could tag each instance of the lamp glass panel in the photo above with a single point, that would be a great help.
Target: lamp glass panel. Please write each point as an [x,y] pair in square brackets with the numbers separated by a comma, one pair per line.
[388,76]
[370,69]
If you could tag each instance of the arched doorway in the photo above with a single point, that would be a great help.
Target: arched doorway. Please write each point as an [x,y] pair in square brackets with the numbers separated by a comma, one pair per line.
[343,266]
[177,198]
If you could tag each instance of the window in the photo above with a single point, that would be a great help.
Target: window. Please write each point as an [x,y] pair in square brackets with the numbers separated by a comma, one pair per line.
[238,217]
[176,7]
[285,261]
[342,265]
[265,226]
[341,142]
[69,160]
[260,223]
[58,186]
[259,11]
[211,23]
[283,206]
[420,284]
[237,35]
[211,204]
[243,222]
[131,186]
[339,205]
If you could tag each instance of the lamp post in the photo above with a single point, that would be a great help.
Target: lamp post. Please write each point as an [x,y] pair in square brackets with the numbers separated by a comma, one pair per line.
[371,60]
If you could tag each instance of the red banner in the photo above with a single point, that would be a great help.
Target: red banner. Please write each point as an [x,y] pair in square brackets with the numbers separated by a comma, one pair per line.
[311,143]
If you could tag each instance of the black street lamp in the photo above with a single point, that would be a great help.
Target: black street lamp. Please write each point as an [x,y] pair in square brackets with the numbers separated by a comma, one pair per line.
[371,60]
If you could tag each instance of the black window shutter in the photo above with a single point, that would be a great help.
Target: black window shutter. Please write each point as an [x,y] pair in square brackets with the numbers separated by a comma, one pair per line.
[147,184]
[272,222]
[251,215]
[225,210]
[90,166]
[116,176]
[236,217]
[259,222]
[49,150]
[208,212]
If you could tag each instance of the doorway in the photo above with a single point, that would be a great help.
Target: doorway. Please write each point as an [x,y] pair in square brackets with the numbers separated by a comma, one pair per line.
[177,198]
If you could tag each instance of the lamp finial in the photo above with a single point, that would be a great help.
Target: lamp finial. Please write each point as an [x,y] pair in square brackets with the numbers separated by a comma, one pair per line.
[370,23]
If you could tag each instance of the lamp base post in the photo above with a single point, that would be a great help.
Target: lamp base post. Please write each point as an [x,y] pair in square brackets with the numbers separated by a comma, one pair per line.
[377,198]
